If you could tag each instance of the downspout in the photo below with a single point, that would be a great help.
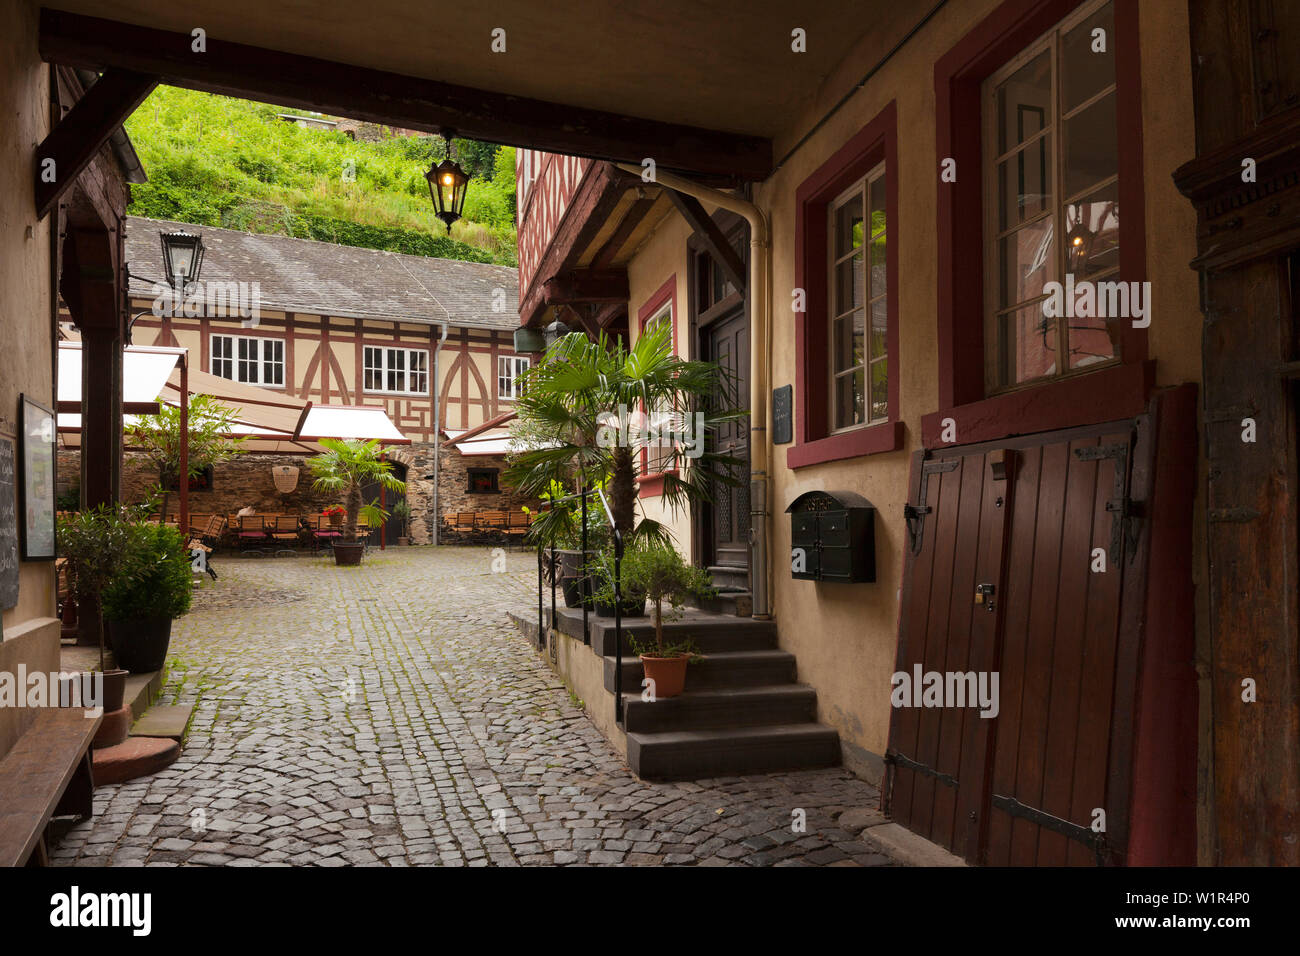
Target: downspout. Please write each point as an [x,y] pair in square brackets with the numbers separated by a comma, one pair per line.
[437,432]
[760,357]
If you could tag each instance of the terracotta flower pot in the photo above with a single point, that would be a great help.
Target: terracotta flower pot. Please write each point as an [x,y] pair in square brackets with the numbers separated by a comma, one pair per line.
[348,553]
[668,674]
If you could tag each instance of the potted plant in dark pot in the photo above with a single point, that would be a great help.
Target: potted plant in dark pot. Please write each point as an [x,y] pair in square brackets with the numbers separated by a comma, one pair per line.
[92,544]
[662,575]
[345,467]
[560,527]
[152,586]
[600,571]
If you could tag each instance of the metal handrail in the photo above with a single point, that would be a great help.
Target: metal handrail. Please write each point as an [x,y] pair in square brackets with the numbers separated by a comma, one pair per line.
[618,591]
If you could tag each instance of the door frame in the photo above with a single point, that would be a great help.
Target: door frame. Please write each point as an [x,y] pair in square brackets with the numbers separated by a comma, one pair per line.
[736,230]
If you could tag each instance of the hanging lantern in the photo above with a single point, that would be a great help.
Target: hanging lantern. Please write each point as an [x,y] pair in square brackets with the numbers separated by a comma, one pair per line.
[285,478]
[447,182]
[182,257]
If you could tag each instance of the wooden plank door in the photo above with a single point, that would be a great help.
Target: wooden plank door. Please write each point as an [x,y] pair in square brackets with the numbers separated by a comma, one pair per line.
[938,754]
[1021,788]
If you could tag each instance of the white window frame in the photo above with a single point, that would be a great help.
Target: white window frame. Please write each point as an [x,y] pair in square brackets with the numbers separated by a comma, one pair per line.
[387,366]
[859,190]
[237,364]
[509,370]
[1050,42]
[658,460]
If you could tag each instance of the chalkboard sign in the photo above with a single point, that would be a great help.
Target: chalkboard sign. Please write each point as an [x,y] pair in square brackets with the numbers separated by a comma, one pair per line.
[782,415]
[8,527]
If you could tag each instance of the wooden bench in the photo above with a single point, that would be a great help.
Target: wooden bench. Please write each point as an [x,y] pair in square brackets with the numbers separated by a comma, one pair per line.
[46,773]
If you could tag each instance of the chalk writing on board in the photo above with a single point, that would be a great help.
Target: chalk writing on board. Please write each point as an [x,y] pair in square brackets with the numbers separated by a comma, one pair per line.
[8,527]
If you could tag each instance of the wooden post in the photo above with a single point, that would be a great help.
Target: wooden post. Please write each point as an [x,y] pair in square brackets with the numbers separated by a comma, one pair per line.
[183,524]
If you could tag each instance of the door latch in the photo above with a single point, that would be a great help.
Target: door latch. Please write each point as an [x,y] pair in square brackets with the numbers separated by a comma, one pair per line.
[984,595]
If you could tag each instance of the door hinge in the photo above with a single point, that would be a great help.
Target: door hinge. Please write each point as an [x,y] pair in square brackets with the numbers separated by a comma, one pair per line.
[1125,512]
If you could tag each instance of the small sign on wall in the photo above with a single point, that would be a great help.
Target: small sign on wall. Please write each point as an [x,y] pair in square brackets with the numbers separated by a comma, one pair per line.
[783,415]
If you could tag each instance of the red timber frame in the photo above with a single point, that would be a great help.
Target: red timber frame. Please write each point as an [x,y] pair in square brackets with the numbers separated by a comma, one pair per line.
[1118,391]
[652,486]
[875,142]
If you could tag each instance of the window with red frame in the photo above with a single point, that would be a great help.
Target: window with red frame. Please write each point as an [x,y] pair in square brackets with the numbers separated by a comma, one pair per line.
[1051,166]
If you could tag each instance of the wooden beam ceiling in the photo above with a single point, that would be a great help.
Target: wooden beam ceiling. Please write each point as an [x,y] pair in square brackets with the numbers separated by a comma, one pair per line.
[249,72]
[586,285]
[73,143]
[711,237]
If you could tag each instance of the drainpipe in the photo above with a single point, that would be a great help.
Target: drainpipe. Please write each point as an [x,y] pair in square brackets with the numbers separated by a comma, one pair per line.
[760,299]
[437,432]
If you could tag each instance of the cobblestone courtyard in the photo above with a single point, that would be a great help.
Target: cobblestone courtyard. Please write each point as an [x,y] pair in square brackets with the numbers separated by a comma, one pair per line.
[391,715]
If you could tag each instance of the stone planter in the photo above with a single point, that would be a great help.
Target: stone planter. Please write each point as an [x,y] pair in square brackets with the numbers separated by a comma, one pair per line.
[630,607]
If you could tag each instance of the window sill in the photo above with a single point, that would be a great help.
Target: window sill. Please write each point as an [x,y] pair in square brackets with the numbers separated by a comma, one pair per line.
[1107,395]
[873,440]
[652,486]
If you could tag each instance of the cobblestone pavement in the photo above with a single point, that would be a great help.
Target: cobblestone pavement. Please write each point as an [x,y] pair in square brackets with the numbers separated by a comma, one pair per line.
[391,715]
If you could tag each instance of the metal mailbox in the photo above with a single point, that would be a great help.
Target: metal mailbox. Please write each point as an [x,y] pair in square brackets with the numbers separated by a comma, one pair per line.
[832,537]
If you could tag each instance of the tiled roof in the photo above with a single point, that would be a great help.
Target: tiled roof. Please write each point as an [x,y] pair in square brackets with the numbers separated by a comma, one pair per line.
[302,275]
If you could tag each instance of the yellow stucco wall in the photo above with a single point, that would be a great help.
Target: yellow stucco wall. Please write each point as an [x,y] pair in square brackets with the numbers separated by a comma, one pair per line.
[26,360]
[845,636]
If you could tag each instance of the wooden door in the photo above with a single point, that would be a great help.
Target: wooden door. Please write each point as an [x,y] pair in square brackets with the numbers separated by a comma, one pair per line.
[727,521]
[372,492]
[1052,536]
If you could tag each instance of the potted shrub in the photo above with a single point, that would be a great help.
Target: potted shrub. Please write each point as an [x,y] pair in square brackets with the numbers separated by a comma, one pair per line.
[153,585]
[92,544]
[346,467]
[560,526]
[600,572]
[401,513]
[661,575]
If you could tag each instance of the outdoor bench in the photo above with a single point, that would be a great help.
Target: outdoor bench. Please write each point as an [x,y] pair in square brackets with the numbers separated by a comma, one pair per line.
[46,773]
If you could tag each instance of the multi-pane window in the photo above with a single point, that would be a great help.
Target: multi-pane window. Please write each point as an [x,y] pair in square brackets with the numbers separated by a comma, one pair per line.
[858,298]
[510,370]
[657,456]
[401,371]
[242,358]
[1052,194]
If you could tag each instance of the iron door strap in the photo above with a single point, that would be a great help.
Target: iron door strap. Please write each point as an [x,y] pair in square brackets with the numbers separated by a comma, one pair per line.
[898,759]
[1071,831]
[1125,512]
[914,514]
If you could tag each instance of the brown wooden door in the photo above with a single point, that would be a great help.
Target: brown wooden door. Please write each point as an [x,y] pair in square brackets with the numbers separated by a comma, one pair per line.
[728,520]
[1019,788]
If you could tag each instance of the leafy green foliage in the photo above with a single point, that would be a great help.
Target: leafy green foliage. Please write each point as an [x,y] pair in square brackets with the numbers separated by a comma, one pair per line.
[346,467]
[93,545]
[159,438]
[563,435]
[220,161]
[153,577]
[660,574]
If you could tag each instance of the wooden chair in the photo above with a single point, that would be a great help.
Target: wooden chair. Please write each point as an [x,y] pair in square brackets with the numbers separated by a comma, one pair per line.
[491,520]
[517,523]
[252,531]
[286,529]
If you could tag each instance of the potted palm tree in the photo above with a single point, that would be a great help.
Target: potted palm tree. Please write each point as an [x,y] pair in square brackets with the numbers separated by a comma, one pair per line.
[152,586]
[345,467]
[571,417]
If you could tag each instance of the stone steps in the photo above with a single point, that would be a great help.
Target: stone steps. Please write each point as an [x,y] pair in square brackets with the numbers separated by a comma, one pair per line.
[717,709]
[693,754]
[741,712]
